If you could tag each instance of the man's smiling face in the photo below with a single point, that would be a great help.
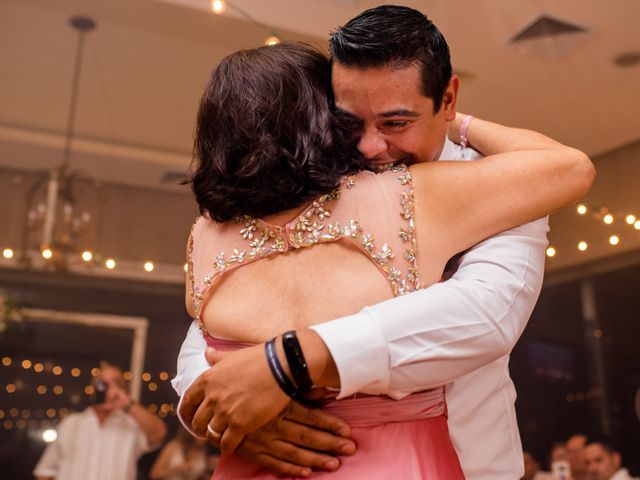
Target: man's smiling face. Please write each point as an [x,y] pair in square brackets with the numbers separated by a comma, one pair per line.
[390,116]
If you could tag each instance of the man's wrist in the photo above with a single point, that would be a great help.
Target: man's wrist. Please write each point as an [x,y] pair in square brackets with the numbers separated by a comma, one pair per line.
[322,368]
[129,405]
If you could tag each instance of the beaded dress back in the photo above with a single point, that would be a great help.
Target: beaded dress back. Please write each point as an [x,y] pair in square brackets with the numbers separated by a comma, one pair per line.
[374,211]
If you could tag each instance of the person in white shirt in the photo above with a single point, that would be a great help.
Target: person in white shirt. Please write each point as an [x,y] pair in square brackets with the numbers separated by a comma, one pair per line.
[459,332]
[603,461]
[104,441]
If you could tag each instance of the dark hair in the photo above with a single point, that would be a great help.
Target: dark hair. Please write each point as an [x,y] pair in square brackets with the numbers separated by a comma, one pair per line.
[604,441]
[265,137]
[396,37]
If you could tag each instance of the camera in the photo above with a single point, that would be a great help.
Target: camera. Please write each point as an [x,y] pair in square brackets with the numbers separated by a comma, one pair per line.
[100,395]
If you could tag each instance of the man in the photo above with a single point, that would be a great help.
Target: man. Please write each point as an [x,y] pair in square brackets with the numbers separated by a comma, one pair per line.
[395,90]
[575,454]
[603,461]
[104,441]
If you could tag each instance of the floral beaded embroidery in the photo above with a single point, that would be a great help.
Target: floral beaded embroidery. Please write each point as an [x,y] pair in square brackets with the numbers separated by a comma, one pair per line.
[313,227]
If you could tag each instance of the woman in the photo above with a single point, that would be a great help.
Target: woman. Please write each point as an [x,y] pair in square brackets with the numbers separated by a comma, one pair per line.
[290,236]
[182,458]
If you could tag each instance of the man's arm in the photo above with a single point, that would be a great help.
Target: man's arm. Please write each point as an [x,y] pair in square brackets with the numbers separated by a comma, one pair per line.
[433,336]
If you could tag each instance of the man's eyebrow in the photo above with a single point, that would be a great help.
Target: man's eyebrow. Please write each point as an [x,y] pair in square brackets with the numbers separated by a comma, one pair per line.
[339,111]
[401,112]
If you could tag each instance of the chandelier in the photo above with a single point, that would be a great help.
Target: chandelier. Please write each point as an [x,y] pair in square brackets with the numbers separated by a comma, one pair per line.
[57,224]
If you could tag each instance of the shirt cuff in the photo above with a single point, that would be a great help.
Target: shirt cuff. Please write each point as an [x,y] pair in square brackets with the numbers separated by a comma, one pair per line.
[359,351]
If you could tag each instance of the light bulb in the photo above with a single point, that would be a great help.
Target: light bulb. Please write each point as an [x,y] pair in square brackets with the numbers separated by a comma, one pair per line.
[47,254]
[87,256]
[218,6]
[608,219]
[614,240]
[272,40]
[551,252]
[631,219]
[582,246]
[148,266]
[7,253]
[582,209]
[110,263]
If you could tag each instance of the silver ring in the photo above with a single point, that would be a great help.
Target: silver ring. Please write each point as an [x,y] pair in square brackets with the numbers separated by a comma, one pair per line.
[214,434]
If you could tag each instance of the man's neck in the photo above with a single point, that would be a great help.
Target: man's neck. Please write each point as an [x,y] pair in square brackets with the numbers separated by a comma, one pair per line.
[102,414]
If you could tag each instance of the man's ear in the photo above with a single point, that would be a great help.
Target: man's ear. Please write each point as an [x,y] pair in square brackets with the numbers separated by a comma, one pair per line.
[450,98]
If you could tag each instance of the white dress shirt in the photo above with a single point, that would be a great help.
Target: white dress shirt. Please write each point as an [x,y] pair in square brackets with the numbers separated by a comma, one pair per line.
[457,333]
[85,449]
[623,474]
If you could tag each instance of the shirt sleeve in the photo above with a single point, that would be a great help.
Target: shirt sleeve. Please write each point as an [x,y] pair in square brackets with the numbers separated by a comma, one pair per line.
[191,360]
[49,463]
[191,364]
[433,336]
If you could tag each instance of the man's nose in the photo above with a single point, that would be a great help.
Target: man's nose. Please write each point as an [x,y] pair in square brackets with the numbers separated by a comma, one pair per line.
[371,144]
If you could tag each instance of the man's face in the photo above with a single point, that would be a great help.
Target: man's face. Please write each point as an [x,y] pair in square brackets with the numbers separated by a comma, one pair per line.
[601,465]
[115,383]
[390,116]
[575,453]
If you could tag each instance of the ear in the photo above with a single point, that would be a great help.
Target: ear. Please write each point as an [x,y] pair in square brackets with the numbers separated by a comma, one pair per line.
[450,98]
[617,460]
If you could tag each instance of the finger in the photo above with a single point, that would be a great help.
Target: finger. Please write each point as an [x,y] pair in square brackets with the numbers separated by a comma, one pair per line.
[213,356]
[213,439]
[230,440]
[302,457]
[192,399]
[280,466]
[202,417]
[317,419]
[312,439]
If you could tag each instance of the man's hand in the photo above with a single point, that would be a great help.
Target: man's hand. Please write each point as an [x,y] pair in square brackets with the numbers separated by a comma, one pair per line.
[298,441]
[235,397]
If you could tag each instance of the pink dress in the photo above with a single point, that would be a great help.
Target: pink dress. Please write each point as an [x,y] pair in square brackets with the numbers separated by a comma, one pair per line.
[403,439]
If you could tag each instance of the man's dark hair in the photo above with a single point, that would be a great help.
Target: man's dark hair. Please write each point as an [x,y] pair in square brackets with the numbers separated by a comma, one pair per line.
[395,37]
[265,138]
[605,442]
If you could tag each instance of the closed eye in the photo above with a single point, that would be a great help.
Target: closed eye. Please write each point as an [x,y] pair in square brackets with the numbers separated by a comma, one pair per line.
[396,124]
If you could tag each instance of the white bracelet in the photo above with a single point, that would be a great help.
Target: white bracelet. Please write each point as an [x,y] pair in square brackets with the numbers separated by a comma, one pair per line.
[464,128]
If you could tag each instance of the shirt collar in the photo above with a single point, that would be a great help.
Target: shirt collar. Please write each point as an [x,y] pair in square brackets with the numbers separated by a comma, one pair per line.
[448,151]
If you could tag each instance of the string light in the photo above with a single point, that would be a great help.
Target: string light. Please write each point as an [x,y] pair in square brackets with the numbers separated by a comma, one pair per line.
[57,370]
[87,256]
[163,376]
[49,435]
[75,372]
[218,6]
[148,266]
[272,40]
[146,376]
[7,253]
[51,412]
[89,390]
[582,209]
[26,364]
[631,219]
[551,252]
[614,240]
[608,219]
[41,389]
[582,246]
[38,368]
[11,388]
[58,390]
[127,376]
[6,361]
[636,225]
[95,372]
[152,387]
[110,263]
[47,254]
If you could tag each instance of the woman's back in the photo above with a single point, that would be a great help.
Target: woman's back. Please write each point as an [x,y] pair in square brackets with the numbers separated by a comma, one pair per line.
[362,252]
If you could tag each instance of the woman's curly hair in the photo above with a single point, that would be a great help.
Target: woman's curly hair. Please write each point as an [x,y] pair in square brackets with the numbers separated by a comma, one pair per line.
[266,140]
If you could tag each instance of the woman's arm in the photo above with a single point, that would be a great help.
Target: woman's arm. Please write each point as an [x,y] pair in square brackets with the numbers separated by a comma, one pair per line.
[161,467]
[526,176]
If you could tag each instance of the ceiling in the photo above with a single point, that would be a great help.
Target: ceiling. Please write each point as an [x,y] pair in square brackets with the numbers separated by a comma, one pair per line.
[148,60]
